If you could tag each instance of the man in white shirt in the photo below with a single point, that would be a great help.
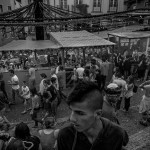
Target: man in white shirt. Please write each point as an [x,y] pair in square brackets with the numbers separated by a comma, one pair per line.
[15,85]
[80,72]
[123,85]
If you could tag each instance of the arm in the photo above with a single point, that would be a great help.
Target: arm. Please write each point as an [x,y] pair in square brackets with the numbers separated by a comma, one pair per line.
[40,147]
[145,83]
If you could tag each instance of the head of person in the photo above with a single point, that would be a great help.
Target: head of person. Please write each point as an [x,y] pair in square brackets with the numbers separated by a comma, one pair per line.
[24,83]
[46,82]
[112,93]
[53,80]
[130,80]
[85,102]
[61,68]
[11,72]
[49,123]
[43,75]
[22,131]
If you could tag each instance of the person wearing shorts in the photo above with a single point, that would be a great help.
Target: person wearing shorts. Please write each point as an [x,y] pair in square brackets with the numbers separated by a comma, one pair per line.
[25,94]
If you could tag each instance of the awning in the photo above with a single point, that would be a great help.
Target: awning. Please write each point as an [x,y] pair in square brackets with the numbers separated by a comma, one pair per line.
[104,34]
[130,35]
[29,45]
[79,39]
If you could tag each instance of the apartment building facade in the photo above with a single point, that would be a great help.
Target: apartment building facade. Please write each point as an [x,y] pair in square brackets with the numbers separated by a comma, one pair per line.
[135,4]
[92,6]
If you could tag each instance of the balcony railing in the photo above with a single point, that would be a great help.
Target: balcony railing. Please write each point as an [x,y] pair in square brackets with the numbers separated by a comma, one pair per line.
[112,9]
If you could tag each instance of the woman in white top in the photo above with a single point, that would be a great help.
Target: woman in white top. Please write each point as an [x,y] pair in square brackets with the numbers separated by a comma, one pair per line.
[25,94]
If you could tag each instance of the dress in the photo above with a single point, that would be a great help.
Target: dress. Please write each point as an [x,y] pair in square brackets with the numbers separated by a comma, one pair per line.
[47,140]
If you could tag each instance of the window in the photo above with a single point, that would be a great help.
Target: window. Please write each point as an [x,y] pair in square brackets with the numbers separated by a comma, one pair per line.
[147,4]
[77,2]
[97,5]
[1,8]
[113,3]
[63,4]
[9,8]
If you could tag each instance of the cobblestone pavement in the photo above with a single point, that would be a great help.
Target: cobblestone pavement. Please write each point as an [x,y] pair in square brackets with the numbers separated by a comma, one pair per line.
[129,121]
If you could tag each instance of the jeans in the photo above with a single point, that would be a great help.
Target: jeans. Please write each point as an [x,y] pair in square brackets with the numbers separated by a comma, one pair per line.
[14,93]
[127,104]
[118,104]
[34,116]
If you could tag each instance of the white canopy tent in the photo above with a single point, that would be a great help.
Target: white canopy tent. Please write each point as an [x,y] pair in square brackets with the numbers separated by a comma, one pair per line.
[79,39]
[29,45]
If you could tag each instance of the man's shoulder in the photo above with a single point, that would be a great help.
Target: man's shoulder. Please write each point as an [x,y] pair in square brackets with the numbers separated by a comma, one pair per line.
[112,129]
[67,132]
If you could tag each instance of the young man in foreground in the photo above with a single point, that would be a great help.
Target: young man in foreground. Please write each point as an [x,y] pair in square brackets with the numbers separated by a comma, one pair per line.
[89,131]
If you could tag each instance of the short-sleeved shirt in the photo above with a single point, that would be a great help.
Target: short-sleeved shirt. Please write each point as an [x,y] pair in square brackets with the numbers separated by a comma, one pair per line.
[25,90]
[53,92]
[111,137]
[32,73]
[13,80]
[80,72]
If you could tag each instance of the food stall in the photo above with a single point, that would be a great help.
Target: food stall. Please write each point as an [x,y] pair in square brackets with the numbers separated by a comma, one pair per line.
[81,44]
[127,42]
[27,48]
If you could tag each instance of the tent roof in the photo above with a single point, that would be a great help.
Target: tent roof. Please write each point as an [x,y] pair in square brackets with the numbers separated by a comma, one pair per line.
[131,35]
[29,45]
[104,34]
[79,39]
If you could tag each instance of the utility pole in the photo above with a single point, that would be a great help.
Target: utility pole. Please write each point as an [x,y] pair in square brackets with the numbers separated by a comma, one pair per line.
[39,18]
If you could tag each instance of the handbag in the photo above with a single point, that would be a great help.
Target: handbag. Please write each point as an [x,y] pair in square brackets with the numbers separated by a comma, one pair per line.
[135,88]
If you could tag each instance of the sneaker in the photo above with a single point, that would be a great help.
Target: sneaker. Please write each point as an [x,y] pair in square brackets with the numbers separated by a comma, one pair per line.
[24,112]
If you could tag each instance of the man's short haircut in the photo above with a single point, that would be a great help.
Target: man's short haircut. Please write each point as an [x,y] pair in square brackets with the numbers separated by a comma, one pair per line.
[11,71]
[61,67]
[53,79]
[86,91]
[24,82]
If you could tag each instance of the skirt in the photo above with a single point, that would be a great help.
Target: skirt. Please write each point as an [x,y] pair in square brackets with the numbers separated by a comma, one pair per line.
[144,105]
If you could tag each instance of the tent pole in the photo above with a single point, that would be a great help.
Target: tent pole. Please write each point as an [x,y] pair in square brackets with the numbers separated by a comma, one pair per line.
[84,55]
[63,62]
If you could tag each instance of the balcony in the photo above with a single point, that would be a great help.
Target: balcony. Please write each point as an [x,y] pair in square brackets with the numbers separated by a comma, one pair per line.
[112,9]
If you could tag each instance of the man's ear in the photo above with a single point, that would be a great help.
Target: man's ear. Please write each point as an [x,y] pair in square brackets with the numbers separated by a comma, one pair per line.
[98,113]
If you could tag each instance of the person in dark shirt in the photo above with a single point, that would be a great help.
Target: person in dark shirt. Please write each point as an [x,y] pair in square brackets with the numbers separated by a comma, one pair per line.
[88,130]
[112,94]
[53,98]
[23,140]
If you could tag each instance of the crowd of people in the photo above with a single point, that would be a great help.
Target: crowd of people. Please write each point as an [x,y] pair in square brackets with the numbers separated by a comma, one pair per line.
[94,105]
